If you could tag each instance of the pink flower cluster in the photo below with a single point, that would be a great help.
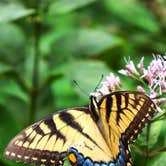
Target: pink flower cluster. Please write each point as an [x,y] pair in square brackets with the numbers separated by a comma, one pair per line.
[130,70]
[153,77]
[156,74]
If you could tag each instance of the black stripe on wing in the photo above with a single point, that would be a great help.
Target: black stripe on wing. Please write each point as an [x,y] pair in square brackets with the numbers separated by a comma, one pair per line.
[108,107]
[52,126]
[17,151]
[38,130]
[138,104]
[35,156]
[69,120]
[143,117]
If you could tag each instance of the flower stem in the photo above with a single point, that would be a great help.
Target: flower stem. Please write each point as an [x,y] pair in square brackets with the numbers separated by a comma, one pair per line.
[35,72]
[161,149]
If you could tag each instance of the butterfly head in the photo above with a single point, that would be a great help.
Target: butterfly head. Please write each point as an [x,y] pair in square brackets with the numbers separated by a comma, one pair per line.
[93,107]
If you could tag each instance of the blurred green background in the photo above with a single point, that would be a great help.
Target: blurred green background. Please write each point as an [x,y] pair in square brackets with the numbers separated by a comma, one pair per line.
[46,44]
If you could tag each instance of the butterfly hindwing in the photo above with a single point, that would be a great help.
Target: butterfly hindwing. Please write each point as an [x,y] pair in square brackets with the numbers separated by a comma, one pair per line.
[122,117]
[48,141]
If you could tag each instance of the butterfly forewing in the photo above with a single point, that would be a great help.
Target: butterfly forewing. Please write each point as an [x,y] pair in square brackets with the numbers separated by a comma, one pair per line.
[47,141]
[123,115]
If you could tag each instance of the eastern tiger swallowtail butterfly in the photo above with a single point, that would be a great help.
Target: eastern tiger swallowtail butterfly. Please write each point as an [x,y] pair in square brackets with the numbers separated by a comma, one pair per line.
[94,136]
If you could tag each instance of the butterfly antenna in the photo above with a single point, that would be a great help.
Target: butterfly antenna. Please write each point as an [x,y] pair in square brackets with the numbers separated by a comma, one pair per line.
[97,86]
[99,82]
[81,89]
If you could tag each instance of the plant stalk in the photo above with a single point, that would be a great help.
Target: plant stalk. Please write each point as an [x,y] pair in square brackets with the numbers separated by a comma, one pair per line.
[35,72]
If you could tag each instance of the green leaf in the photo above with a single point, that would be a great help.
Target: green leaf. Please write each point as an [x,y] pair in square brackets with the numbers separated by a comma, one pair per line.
[90,42]
[157,131]
[66,162]
[13,11]
[62,90]
[133,12]
[65,6]
[43,68]
[9,88]
[12,52]
[86,42]
[84,73]
[4,68]
[87,73]
[158,160]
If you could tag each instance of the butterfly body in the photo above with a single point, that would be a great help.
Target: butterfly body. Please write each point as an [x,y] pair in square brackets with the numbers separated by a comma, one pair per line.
[94,136]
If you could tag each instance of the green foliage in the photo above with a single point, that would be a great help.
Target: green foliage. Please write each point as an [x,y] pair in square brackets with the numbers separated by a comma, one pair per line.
[75,71]
[86,42]
[45,45]
[135,14]
[65,6]
[8,47]
[13,11]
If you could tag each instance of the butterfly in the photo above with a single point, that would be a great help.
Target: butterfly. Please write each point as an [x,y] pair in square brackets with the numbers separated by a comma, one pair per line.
[98,135]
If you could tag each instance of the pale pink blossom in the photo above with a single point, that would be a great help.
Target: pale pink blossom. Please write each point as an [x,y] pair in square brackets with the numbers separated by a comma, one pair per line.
[111,83]
[104,90]
[140,89]
[141,65]
[131,68]
[158,109]
[152,77]
[153,94]
[126,73]
[160,100]
[156,74]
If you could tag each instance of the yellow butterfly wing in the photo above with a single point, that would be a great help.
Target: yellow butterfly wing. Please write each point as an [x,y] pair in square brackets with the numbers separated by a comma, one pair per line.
[48,141]
[122,115]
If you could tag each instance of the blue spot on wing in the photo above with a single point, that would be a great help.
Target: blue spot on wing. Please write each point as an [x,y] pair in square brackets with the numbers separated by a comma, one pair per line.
[122,159]
[111,164]
[88,162]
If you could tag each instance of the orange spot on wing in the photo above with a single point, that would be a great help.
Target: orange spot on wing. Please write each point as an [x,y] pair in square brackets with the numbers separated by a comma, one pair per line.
[72,158]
